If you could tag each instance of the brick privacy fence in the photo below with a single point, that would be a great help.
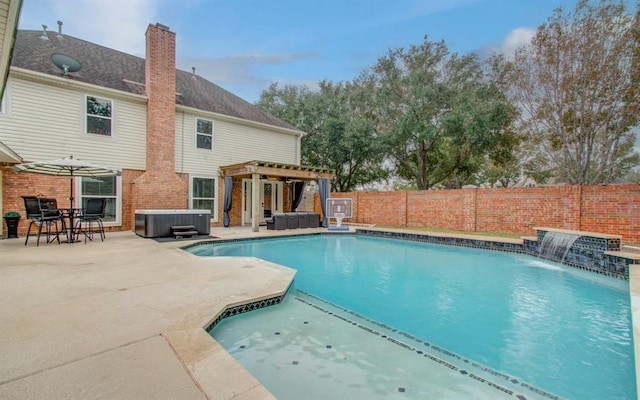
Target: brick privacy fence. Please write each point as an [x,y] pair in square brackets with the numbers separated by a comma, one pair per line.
[612,209]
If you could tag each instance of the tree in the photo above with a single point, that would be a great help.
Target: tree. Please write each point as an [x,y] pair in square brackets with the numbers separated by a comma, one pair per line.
[436,114]
[339,135]
[577,86]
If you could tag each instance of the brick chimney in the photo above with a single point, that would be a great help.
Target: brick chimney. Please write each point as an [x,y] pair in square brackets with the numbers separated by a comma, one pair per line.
[160,187]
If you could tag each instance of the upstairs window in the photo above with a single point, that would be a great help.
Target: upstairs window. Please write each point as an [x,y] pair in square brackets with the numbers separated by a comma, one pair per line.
[99,116]
[204,134]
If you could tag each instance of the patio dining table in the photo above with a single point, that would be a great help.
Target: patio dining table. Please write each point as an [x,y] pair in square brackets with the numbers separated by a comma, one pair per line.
[71,214]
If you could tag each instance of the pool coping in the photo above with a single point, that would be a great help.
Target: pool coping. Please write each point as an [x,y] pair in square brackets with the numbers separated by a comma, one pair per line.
[509,243]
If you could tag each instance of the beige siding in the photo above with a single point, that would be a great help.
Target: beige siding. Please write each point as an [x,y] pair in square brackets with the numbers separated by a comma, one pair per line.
[232,144]
[47,122]
[4,15]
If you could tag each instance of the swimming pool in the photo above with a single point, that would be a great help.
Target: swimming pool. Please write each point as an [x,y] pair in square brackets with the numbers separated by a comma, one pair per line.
[564,331]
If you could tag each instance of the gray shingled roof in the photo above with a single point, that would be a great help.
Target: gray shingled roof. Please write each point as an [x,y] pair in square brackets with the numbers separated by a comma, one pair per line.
[116,70]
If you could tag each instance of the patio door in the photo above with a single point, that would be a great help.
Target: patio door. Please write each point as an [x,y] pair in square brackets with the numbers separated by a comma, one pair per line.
[270,200]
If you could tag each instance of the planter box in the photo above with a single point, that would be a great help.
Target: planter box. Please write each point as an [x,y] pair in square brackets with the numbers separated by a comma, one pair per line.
[12,226]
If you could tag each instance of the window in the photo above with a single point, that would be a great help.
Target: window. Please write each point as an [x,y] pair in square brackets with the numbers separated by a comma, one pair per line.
[99,116]
[103,187]
[203,195]
[204,134]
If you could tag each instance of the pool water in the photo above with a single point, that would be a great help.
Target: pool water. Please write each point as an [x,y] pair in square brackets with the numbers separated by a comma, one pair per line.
[304,348]
[564,331]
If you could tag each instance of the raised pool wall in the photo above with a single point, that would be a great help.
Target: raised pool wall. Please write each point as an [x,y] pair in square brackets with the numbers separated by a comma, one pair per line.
[599,253]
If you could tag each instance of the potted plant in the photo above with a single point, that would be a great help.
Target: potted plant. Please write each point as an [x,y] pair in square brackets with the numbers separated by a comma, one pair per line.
[11,219]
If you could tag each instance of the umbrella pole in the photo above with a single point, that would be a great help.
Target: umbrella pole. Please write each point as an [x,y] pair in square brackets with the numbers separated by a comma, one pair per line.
[70,238]
[71,191]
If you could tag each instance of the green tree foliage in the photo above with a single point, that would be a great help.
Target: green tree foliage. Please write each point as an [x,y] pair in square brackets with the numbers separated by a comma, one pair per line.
[339,134]
[577,86]
[438,116]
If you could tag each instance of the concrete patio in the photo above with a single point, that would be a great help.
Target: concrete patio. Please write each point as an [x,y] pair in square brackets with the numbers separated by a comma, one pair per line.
[123,319]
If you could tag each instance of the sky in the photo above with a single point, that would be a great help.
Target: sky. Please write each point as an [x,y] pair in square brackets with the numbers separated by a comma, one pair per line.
[244,45]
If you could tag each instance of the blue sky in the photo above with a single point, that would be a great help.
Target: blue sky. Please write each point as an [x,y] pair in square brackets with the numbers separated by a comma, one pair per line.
[243,45]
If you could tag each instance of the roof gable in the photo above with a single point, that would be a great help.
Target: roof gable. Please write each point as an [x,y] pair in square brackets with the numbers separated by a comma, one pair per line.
[113,69]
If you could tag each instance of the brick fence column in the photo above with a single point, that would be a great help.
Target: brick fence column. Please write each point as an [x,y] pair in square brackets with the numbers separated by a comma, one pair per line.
[469,209]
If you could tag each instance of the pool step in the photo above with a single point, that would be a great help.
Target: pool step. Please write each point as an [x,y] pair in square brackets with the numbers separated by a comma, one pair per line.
[179,231]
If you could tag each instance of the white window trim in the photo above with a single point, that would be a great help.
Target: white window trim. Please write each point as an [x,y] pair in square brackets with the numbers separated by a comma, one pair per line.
[195,138]
[214,215]
[77,200]
[113,112]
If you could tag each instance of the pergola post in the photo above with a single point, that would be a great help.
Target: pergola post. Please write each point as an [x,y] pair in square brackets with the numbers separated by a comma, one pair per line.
[255,202]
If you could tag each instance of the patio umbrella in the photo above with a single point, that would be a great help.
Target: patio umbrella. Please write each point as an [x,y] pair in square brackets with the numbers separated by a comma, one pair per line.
[67,166]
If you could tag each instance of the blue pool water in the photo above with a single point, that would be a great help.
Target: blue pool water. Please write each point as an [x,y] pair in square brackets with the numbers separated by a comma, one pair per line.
[561,330]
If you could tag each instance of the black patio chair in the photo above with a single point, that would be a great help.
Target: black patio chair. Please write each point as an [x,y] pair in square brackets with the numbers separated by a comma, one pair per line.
[90,221]
[43,213]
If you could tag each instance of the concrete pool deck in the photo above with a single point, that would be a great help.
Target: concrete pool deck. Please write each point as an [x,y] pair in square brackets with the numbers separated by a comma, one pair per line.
[123,318]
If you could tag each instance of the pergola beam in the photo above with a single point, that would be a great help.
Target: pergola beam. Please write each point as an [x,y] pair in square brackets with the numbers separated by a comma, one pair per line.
[278,170]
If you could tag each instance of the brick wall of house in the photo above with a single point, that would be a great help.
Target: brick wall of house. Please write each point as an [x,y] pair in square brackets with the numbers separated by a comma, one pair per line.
[613,209]
[128,209]
[17,184]
[160,187]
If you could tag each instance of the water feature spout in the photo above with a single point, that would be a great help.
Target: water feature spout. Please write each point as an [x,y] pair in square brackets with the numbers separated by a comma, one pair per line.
[556,245]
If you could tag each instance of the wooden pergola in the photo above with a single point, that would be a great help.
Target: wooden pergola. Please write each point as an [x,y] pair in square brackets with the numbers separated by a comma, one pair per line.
[257,169]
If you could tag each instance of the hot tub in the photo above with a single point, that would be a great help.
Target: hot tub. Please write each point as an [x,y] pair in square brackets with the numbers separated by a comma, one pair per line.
[158,223]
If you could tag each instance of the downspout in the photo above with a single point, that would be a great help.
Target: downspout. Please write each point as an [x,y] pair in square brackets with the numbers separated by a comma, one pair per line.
[182,159]
[182,145]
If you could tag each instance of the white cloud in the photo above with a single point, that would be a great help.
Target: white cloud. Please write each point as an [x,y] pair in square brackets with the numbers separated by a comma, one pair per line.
[238,69]
[239,73]
[121,24]
[516,38]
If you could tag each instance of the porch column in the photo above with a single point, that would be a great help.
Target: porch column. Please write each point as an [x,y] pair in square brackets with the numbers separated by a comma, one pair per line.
[255,200]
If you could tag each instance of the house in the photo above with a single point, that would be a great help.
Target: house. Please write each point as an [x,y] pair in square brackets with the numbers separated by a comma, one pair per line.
[9,12]
[173,134]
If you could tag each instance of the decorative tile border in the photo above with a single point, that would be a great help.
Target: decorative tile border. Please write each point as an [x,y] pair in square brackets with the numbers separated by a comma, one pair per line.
[243,308]
[252,239]
[447,240]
